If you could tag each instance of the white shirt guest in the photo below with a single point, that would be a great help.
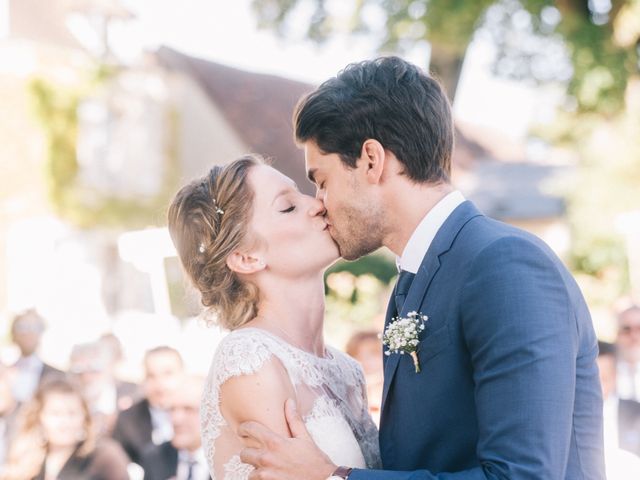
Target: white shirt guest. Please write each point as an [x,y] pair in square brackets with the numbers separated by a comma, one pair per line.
[628,343]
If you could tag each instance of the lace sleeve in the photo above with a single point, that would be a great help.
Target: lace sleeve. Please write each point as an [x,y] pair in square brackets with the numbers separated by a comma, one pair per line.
[238,354]
[369,432]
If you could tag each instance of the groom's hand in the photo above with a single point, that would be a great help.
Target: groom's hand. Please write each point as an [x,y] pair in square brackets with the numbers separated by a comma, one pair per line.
[277,457]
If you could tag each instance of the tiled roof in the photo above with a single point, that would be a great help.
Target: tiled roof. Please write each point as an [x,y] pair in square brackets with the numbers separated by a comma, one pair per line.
[516,190]
[257,106]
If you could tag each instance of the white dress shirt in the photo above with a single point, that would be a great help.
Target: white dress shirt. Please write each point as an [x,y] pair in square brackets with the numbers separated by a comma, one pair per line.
[620,464]
[4,443]
[29,370]
[426,231]
[200,470]
[161,427]
[628,386]
[610,421]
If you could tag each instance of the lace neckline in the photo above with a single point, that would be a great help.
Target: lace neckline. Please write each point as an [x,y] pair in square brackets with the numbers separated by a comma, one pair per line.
[328,354]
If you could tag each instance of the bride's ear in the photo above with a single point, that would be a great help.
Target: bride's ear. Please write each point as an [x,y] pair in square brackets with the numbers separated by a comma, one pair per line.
[245,263]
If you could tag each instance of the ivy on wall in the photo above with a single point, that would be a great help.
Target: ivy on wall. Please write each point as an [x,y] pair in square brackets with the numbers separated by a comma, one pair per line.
[57,110]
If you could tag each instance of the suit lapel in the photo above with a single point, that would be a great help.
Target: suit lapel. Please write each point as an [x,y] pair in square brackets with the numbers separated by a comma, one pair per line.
[171,459]
[391,312]
[430,264]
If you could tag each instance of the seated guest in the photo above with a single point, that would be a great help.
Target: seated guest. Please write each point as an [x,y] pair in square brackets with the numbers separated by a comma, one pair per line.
[55,440]
[128,392]
[8,410]
[621,417]
[26,331]
[366,347]
[628,343]
[90,364]
[181,458]
[147,421]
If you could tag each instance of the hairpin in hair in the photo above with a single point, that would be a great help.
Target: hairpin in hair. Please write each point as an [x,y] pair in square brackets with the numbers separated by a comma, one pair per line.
[201,248]
[218,209]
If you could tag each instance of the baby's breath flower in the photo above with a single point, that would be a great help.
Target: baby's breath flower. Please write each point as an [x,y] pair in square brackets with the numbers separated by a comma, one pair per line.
[401,336]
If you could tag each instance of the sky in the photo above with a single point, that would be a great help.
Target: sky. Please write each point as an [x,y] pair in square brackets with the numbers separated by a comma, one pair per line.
[226,32]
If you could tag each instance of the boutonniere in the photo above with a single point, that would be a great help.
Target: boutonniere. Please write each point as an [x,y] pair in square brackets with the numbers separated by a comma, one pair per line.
[401,336]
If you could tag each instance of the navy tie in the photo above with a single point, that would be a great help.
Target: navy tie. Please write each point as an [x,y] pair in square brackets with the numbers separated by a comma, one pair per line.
[402,288]
[190,474]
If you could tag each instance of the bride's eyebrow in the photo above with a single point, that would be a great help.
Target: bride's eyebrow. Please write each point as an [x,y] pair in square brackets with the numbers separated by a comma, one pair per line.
[284,191]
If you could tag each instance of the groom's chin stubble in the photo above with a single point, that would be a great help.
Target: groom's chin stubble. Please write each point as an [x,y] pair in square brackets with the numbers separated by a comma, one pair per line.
[354,252]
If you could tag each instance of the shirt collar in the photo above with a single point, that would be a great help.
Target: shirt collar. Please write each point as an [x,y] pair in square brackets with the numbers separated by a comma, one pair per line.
[31,361]
[426,231]
[188,457]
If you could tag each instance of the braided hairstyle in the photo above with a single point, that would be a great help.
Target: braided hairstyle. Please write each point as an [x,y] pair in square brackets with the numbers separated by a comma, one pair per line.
[208,220]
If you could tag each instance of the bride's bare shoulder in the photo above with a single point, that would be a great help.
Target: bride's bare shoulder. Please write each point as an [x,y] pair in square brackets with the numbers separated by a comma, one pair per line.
[258,396]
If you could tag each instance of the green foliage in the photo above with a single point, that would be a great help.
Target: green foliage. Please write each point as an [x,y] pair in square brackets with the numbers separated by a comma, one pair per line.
[601,68]
[357,294]
[601,64]
[606,186]
[57,114]
[56,107]
[377,264]
[600,41]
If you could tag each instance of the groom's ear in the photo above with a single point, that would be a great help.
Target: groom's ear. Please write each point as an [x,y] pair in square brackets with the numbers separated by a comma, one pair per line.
[245,263]
[373,156]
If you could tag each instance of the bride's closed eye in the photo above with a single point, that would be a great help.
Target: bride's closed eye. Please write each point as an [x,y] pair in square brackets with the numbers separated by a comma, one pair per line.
[288,210]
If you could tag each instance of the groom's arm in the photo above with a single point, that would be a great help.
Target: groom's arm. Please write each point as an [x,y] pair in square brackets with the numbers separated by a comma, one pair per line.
[522,339]
[474,474]
[522,335]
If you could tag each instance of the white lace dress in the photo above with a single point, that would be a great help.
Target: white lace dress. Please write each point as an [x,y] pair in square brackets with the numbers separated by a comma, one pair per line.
[330,395]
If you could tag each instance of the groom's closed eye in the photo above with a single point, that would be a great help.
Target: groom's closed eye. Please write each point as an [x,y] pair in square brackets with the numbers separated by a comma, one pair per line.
[311,175]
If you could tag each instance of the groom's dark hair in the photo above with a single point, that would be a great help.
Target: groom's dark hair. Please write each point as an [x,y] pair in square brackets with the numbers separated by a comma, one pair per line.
[386,99]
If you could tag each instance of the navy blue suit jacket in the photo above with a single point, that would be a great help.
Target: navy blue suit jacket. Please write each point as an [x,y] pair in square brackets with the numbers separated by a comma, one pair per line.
[509,386]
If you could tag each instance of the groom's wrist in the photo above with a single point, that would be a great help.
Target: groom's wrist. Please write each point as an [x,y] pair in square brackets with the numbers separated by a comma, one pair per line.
[340,473]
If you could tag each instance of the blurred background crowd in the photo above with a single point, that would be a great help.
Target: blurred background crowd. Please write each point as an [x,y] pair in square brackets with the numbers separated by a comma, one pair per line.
[108,106]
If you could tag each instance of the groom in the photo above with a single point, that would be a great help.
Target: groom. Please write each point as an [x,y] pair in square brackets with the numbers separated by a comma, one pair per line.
[509,385]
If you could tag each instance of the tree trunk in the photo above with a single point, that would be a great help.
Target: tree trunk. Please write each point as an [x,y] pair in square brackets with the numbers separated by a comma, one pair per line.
[446,66]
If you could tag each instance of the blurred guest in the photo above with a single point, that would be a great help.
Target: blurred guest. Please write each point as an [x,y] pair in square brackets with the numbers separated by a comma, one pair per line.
[8,410]
[181,458]
[148,421]
[130,392]
[621,417]
[112,343]
[91,364]
[26,331]
[55,440]
[628,342]
[366,348]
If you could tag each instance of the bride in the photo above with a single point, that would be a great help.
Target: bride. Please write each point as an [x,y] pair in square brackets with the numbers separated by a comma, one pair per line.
[256,249]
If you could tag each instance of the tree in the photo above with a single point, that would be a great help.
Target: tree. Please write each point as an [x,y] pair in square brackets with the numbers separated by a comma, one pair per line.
[590,46]
[601,61]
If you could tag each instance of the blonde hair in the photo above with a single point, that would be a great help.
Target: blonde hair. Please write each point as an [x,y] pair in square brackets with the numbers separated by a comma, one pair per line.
[209,219]
[28,449]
